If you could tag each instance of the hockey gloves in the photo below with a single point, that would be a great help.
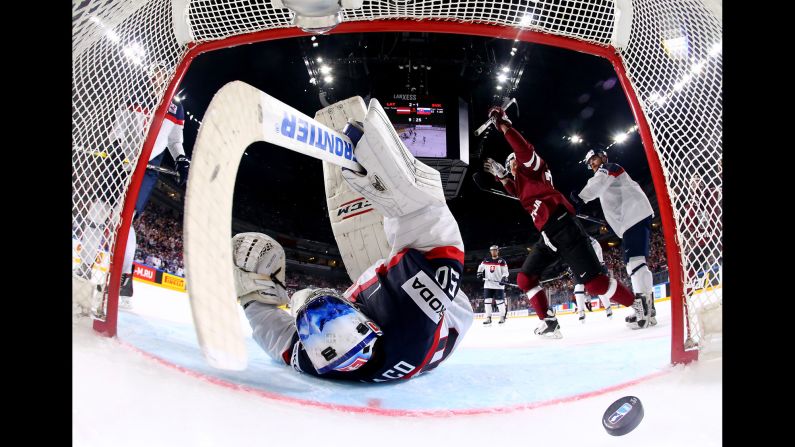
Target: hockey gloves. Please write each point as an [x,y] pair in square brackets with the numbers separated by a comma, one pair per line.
[495,169]
[500,117]
[183,164]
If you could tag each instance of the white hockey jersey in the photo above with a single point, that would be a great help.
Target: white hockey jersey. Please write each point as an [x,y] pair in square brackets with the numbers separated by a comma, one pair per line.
[623,201]
[494,271]
[130,122]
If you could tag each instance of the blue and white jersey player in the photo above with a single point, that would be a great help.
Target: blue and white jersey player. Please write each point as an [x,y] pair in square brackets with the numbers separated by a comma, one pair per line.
[404,314]
[113,166]
[494,272]
[629,214]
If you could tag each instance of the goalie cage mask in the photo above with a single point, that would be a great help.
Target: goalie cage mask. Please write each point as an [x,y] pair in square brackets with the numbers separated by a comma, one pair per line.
[335,334]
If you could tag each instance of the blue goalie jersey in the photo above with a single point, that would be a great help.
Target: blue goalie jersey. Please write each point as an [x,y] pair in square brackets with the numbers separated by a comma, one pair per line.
[415,299]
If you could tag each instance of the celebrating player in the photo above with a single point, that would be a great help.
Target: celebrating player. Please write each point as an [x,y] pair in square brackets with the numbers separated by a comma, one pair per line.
[562,235]
[494,272]
[403,315]
[629,213]
[113,165]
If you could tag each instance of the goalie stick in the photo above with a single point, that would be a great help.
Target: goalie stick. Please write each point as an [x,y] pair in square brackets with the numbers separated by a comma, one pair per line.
[148,166]
[476,179]
[163,170]
[541,282]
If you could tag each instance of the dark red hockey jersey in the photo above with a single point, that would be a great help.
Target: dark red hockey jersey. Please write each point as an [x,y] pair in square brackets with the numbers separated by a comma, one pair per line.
[533,184]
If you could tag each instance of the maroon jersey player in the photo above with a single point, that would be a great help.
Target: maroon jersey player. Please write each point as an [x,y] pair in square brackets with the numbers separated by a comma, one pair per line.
[562,235]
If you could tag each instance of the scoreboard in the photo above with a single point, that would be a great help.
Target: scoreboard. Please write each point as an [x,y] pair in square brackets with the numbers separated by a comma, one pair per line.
[420,122]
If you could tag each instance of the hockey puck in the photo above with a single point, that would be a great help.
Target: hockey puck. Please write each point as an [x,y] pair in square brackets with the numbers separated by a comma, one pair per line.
[622,416]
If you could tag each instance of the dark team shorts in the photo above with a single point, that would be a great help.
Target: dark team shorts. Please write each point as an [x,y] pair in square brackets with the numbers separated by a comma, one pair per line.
[497,294]
[573,246]
[636,239]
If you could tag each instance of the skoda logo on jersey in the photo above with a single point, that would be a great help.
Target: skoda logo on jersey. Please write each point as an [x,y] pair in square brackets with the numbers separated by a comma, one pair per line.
[427,295]
[300,130]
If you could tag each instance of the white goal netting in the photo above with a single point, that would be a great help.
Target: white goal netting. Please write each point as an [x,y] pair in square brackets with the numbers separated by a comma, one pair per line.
[670,50]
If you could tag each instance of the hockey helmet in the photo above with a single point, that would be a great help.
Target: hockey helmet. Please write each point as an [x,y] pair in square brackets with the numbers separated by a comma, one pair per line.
[592,153]
[494,247]
[335,334]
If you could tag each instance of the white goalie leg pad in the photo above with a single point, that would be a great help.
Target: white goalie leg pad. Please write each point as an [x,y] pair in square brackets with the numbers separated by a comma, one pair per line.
[259,269]
[337,115]
[357,226]
[396,183]
[423,230]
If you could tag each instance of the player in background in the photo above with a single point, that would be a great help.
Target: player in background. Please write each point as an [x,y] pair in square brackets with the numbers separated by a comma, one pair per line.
[114,166]
[579,287]
[403,315]
[494,272]
[562,235]
[629,214]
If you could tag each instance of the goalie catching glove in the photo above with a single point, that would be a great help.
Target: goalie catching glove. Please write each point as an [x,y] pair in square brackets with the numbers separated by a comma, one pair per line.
[395,182]
[259,269]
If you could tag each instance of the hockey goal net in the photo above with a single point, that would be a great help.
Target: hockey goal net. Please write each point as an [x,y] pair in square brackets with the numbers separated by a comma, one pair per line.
[666,54]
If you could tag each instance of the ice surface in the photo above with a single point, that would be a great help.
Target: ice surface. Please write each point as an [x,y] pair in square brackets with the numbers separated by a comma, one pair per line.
[504,385]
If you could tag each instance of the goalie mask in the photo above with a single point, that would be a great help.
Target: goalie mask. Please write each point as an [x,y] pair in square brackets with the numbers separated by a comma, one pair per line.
[335,335]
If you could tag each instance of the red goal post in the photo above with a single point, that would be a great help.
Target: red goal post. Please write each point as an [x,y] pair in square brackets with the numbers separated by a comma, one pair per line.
[666,55]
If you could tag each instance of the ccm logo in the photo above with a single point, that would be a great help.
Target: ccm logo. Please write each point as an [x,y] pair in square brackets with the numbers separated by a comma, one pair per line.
[353,208]
[428,296]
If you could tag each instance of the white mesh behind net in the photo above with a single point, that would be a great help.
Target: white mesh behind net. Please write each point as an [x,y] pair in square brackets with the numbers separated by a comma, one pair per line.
[672,59]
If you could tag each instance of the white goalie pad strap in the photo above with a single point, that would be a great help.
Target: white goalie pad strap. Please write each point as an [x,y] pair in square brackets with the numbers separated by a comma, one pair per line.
[357,226]
[396,183]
